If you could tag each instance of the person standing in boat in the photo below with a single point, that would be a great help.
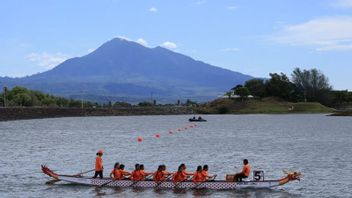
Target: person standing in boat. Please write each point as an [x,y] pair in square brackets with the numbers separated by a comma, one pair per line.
[99,165]
[244,173]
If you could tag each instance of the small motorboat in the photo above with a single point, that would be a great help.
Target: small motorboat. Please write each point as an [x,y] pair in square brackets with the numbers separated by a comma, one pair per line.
[199,119]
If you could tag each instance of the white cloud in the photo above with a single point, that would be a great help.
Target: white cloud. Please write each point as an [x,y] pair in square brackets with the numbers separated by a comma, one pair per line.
[324,34]
[200,2]
[153,9]
[232,49]
[142,42]
[47,60]
[232,7]
[169,45]
[343,3]
[91,50]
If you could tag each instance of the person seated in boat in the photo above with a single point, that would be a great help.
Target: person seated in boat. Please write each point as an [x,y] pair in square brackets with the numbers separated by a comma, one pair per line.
[114,173]
[194,117]
[200,118]
[198,176]
[181,174]
[244,173]
[99,165]
[122,174]
[136,175]
[143,173]
[205,173]
[161,174]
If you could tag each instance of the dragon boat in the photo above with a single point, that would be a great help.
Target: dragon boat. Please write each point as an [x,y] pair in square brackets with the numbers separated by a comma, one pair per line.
[257,182]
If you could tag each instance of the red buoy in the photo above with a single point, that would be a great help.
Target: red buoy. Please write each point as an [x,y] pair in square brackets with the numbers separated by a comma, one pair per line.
[157,135]
[139,139]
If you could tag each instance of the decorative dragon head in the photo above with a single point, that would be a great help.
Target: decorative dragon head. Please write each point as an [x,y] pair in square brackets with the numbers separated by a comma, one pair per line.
[293,175]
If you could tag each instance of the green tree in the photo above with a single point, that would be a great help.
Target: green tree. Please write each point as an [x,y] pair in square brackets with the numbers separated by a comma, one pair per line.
[312,85]
[280,86]
[243,92]
[256,87]
[22,99]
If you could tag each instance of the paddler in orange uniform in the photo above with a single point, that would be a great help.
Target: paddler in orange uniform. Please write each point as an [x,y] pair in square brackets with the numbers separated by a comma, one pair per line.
[137,175]
[205,173]
[99,164]
[143,173]
[122,174]
[114,173]
[246,170]
[181,174]
[198,176]
[161,174]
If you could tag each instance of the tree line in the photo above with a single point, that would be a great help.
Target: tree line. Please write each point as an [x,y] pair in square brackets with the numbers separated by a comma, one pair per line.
[303,86]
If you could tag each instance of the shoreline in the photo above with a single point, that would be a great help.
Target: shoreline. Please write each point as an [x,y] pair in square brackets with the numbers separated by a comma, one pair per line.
[26,113]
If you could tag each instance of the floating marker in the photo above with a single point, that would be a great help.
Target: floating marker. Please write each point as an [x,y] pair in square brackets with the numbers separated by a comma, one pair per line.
[157,135]
[139,139]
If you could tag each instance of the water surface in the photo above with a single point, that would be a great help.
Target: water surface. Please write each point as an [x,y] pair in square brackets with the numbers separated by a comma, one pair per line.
[317,145]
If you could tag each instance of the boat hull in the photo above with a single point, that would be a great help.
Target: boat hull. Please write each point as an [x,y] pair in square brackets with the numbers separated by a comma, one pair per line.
[215,185]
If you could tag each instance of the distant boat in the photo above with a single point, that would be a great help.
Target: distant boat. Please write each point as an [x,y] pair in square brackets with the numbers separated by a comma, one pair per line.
[199,119]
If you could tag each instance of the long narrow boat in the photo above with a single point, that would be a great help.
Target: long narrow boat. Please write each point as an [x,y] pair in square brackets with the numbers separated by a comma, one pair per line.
[215,185]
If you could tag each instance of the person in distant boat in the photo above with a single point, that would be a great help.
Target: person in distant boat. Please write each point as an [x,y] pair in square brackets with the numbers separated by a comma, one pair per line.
[161,174]
[136,175]
[198,176]
[99,165]
[115,172]
[143,173]
[244,173]
[122,174]
[200,118]
[194,117]
[205,173]
[181,174]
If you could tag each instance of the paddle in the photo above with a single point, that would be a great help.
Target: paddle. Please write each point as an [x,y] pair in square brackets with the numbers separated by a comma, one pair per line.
[108,182]
[135,182]
[204,182]
[176,185]
[159,184]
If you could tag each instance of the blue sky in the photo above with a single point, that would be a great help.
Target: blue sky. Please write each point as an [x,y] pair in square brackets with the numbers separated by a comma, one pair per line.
[253,37]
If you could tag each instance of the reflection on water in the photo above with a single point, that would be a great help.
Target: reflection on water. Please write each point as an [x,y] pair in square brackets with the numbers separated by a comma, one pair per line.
[319,146]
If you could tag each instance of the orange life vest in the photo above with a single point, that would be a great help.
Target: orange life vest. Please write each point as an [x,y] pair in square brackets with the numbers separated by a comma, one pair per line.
[198,177]
[179,176]
[246,170]
[136,175]
[98,163]
[115,173]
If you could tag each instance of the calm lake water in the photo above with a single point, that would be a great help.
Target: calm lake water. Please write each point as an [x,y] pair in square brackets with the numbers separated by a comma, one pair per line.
[317,145]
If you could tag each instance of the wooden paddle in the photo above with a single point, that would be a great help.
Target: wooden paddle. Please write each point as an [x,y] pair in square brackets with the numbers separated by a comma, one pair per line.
[159,184]
[108,182]
[176,185]
[135,182]
[200,183]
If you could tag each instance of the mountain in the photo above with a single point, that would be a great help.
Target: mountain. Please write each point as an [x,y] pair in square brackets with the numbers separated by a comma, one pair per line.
[127,71]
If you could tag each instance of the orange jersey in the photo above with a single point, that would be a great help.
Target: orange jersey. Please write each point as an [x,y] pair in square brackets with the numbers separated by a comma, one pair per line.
[115,173]
[136,175]
[98,163]
[205,174]
[246,170]
[198,177]
[160,175]
[120,174]
[180,176]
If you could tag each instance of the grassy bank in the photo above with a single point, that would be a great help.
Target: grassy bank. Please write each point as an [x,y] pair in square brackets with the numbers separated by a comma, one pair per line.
[266,105]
